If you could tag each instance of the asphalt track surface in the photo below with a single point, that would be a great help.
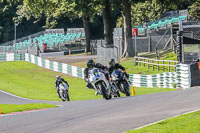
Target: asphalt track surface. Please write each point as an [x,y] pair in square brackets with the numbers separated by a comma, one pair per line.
[100,116]
[72,58]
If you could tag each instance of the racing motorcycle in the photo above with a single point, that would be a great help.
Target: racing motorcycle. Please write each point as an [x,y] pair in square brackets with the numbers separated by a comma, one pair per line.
[64,92]
[100,83]
[120,82]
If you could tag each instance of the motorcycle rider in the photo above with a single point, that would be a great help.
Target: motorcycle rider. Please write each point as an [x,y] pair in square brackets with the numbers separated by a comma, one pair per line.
[113,66]
[59,81]
[90,65]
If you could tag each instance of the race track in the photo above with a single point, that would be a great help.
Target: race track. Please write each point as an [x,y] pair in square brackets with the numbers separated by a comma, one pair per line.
[99,116]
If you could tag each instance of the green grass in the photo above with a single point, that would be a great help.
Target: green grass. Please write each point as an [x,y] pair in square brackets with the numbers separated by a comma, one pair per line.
[143,90]
[164,54]
[31,81]
[191,48]
[129,64]
[10,108]
[188,123]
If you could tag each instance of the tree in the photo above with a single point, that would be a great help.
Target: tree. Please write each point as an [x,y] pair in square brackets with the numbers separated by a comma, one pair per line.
[84,9]
[126,13]
[107,20]
[6,24]
[147,11]
[53,10]
[194,10]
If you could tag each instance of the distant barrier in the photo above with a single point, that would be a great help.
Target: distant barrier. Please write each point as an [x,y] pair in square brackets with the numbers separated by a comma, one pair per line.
[179,79]
[55,66]
[12,57]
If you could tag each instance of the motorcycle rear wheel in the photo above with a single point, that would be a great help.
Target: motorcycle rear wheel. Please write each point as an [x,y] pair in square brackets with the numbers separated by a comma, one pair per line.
[118,94]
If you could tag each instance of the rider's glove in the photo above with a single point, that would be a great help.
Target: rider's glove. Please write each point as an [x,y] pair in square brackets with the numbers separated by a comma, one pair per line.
[86,80]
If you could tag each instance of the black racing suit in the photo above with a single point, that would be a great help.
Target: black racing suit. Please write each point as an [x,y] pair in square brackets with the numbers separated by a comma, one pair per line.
[117,66]
[86,74]
[58,82]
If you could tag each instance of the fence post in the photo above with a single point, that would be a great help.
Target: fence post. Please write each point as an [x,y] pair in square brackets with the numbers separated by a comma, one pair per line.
[139,62]
[153,64]
[174,65]
[168,66]
[163,66]
[143,62]
[135,60]
[158,64]
[148,63]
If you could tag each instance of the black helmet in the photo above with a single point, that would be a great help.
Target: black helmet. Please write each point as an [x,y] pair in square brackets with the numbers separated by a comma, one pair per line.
[90,63]
[111,62]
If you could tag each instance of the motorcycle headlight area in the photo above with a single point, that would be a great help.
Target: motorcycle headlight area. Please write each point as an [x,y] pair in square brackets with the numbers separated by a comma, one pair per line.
[96,77]
[114,77]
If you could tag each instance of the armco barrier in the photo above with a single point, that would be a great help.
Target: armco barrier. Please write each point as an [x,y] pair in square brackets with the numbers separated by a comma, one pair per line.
[179,79]
[164,80]
[55,66]
[183,75]
[12,57]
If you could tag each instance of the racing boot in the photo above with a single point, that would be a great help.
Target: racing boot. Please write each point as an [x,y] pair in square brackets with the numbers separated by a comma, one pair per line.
[97,93]
[58,93]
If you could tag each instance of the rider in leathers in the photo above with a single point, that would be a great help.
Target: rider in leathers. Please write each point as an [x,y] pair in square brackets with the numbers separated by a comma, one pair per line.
[113,66]
[58,81]
[90,65]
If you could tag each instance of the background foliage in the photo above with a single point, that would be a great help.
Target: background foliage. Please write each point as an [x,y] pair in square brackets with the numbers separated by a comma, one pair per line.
[67,14]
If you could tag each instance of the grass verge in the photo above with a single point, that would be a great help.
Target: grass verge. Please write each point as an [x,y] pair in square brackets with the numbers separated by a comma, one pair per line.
[187,123]
[31,81]
[10,108]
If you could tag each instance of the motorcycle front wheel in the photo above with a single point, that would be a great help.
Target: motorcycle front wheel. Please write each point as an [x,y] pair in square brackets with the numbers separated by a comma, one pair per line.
[63,96]
[67,96]
[126,88]
[103,91]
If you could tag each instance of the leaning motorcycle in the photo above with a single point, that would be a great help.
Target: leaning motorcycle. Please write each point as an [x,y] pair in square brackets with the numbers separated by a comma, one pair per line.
[100,83]
[120,82]
[64,92]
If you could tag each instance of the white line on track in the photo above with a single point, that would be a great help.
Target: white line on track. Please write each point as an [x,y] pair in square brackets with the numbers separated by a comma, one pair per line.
[164,119]
[24,98]
[14,95]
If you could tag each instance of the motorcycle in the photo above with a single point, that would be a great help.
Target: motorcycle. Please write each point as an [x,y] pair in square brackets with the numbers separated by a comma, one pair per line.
[100,83]
[64,92]
[120,82]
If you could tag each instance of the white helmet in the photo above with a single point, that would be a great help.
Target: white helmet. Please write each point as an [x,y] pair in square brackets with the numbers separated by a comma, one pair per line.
[58,77]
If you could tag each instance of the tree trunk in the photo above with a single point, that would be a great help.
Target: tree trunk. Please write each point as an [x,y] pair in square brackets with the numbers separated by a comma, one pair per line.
[86,26]
[128,28]
[107,21]
[123,49]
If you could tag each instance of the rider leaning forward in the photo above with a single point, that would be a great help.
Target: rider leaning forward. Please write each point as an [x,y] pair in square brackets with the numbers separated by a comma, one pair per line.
[90,65]
[59,81]
[113,66]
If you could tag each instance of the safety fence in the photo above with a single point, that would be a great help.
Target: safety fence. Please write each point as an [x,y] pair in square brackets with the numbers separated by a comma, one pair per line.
[155,64]
[179,79]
